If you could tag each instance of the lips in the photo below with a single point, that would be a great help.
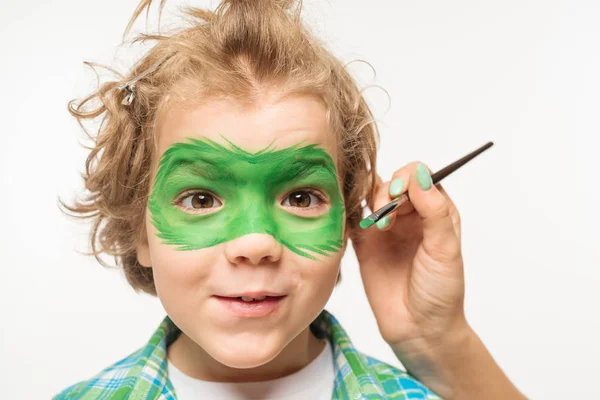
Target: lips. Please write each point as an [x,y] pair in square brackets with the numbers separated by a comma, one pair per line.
[254,295]
[246,297]
[251,309]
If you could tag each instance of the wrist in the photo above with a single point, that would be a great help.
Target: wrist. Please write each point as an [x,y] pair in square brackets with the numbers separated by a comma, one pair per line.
[437,342]
[433,360]
[457,367]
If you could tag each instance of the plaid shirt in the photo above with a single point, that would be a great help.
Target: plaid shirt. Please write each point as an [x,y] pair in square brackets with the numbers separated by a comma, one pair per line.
[143,374]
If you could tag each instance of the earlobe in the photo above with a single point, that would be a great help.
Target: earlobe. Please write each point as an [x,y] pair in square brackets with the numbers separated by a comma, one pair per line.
[346,234]
[143,255]
[142,249]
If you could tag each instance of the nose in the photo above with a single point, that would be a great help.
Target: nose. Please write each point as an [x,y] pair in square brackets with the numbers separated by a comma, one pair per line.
[254,248]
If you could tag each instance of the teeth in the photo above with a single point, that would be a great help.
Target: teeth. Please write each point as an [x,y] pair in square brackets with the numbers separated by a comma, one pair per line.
[245,298]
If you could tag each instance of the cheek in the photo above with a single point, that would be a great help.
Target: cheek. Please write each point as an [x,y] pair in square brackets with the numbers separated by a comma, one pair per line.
[317,278]
[179,273]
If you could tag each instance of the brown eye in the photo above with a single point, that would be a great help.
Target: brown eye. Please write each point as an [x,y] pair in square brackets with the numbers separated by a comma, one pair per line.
[301,199]
[199,200]
[202,201]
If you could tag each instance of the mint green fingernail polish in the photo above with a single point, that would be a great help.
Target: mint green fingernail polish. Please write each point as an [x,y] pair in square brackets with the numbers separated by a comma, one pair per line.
[396,187]
[383,222]
[423,177]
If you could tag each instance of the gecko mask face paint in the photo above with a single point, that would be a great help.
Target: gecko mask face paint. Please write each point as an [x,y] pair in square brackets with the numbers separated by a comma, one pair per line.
[234,193]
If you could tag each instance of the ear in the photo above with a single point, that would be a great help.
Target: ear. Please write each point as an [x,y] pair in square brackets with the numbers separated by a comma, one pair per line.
[142,248]
[143,255]
[346,235]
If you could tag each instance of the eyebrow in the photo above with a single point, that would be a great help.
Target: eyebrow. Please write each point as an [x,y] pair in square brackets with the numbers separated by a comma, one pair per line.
[208,169]
[300,168]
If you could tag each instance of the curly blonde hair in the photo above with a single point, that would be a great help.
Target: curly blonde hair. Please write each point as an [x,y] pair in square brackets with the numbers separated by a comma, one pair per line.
[237,50]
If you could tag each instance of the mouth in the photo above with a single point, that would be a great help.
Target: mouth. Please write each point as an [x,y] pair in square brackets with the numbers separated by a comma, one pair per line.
[253,296]
[250,299]
[247,306]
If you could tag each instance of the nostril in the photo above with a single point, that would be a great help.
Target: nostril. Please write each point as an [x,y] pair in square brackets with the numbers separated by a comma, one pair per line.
[256,261]
[254,248]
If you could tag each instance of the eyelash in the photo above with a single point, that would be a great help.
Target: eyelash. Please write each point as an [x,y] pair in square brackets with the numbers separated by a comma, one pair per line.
[315,192]
[179,200]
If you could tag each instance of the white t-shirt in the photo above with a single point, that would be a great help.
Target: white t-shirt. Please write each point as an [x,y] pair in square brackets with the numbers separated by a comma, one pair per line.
[314,381]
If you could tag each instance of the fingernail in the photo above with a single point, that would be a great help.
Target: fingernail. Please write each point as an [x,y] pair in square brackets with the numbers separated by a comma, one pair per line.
[383,222]
[396,187]
[423,177]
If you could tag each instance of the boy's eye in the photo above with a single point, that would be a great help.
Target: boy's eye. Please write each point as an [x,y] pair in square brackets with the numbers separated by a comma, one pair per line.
[303,199]
[198,201]
[201,202]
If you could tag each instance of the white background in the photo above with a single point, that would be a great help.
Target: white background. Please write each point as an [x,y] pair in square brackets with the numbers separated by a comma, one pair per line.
[521,73]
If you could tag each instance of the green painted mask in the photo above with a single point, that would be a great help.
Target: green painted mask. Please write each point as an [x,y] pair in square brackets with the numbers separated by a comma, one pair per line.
[249,186]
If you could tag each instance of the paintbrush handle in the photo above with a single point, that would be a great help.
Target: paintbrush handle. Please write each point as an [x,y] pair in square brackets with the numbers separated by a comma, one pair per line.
[435,178]
[444,172]
[390,207]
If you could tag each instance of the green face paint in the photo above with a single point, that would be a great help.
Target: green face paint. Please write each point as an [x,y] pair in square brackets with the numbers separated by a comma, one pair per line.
[249,186]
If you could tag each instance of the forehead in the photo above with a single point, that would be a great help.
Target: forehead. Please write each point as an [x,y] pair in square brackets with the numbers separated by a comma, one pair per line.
[279,122]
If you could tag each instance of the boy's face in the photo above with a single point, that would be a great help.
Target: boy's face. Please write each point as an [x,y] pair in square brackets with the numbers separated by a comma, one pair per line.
[245,199]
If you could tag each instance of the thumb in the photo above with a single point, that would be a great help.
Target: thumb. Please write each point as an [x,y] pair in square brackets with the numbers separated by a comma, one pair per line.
[439,236]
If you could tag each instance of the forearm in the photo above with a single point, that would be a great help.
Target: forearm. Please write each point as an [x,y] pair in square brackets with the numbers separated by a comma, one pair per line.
[460,369]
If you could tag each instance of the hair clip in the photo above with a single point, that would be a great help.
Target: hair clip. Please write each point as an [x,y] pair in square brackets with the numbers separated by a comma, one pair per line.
[129,86]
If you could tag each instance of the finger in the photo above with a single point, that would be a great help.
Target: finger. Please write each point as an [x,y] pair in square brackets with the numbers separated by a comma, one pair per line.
[439,235]
[380,199]
[397,187]
[405,173]
[454,214]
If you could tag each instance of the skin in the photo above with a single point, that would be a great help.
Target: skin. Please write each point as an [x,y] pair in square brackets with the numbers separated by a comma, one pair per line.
[251,183]
[412,271]
[254,238]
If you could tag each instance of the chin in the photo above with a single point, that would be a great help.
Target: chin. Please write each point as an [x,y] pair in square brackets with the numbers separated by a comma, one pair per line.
[244,356]
[243,349]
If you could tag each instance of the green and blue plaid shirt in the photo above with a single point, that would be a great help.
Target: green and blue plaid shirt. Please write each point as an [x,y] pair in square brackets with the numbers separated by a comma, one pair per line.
[143,374]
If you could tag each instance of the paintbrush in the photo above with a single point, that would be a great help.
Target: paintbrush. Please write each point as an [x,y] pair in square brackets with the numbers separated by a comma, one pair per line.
[437,177]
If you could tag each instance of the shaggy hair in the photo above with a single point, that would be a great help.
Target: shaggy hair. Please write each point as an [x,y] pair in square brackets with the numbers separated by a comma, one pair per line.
[239,50]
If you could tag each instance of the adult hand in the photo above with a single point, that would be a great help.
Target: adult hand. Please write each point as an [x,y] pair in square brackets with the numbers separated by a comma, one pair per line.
[411,263]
